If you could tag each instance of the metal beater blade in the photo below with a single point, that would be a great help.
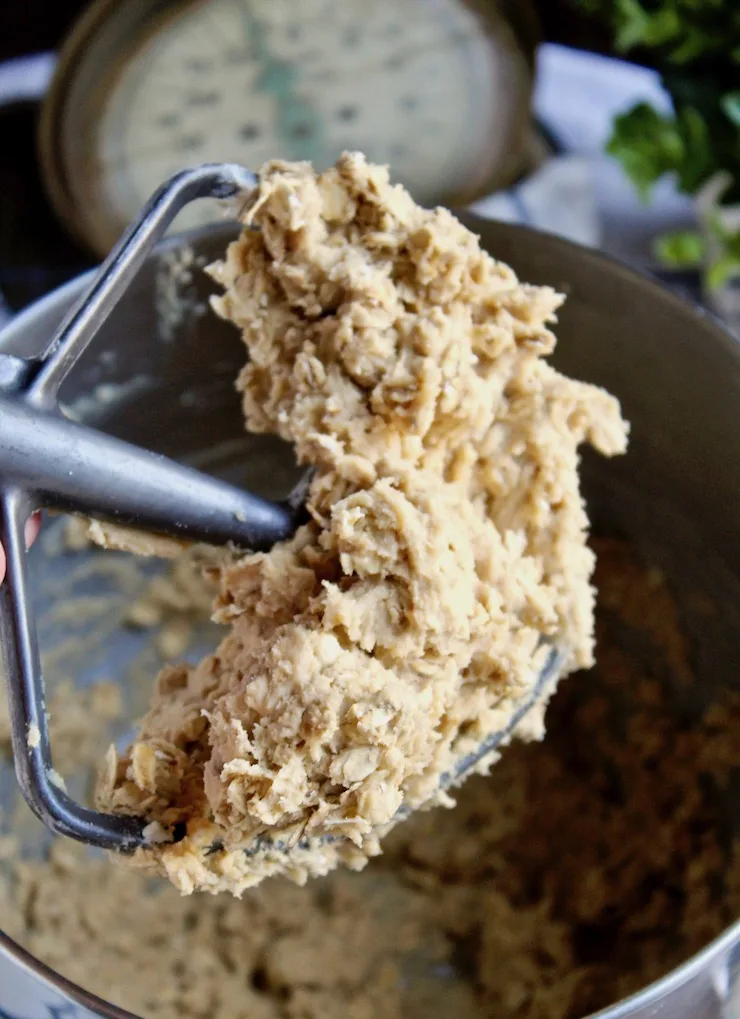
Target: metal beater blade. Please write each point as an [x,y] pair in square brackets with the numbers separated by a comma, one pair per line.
[47,460]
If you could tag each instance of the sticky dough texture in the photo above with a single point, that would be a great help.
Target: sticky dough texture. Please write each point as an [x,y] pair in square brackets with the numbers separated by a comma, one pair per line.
[447,535]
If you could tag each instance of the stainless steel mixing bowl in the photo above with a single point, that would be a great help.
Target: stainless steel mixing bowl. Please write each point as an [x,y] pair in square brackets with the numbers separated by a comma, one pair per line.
[160,374]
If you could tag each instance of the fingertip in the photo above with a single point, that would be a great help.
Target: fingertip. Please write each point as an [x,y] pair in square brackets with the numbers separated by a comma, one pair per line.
[33,526]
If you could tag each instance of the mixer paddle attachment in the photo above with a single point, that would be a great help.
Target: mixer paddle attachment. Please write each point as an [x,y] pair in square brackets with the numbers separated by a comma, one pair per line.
[47,460]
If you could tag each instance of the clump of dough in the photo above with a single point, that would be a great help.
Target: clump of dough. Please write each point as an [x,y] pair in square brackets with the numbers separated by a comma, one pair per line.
[446,545]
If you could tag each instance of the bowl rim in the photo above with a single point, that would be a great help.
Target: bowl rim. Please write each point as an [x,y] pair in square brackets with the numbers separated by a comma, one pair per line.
[708,961]
[711,961]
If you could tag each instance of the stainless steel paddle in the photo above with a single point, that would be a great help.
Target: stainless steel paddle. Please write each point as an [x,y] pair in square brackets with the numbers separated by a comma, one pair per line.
[47,460]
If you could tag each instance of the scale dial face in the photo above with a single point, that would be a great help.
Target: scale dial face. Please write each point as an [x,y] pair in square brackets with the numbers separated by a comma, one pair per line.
[437,89]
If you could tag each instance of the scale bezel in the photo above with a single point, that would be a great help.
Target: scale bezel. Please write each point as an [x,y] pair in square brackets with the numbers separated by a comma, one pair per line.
[109,32]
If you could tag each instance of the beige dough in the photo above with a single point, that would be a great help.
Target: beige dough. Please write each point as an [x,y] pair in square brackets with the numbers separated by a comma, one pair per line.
[447,536]
[543,895]
[126,539]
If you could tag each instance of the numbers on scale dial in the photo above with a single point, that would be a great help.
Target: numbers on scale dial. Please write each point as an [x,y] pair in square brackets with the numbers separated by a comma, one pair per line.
[409,82]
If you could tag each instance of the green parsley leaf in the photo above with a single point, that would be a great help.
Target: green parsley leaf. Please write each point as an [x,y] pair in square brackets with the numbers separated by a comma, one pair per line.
[681,249]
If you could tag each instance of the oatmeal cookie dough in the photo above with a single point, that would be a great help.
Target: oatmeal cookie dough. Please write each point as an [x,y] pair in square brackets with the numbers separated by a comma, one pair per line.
[447,536]
[580,870]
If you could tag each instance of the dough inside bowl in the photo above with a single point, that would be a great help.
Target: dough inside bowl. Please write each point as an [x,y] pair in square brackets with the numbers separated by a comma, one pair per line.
[582,868]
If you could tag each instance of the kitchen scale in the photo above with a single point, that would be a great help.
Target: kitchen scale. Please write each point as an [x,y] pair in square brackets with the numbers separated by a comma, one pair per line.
[438,89]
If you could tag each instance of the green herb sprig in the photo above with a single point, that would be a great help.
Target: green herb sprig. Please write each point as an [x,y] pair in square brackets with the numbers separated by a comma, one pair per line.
[695,45]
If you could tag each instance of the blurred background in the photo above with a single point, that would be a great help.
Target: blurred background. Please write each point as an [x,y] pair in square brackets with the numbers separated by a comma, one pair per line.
[615,123]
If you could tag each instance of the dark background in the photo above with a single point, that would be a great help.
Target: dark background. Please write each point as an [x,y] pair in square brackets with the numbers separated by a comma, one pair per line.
[28,26]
